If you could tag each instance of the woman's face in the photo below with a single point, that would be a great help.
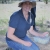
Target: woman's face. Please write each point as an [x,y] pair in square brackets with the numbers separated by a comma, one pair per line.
[27,6]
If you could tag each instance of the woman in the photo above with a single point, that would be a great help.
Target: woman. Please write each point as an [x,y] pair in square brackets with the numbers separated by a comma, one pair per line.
[20,22]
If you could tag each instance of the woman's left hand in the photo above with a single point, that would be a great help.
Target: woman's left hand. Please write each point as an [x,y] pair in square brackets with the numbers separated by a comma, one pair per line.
[44,34]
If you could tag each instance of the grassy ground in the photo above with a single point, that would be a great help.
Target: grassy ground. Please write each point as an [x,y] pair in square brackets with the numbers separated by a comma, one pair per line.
[42,15]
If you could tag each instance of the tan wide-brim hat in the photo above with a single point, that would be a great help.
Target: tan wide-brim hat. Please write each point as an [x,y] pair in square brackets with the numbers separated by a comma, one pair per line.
[31,1]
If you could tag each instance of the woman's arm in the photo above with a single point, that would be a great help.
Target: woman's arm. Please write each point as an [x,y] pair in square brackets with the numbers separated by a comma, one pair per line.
[11,35]
[36,33]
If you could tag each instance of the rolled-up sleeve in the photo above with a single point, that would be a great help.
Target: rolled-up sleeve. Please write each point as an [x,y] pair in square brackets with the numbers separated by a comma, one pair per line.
[14,21]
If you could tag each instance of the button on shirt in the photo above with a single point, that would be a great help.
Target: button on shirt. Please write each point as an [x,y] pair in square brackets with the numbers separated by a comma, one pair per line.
[18,22]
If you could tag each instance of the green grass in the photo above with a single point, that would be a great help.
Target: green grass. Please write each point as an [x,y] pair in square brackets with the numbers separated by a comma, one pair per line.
[3,21]
[3,26]
[3,32]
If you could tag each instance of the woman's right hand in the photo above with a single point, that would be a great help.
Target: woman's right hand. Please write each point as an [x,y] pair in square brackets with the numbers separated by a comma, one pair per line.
[27,43]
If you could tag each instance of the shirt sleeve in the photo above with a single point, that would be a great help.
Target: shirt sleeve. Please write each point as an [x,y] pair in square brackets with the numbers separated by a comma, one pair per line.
[32,17]
[14,21]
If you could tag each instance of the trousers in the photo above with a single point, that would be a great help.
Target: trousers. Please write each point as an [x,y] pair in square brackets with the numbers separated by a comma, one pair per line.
[18,46]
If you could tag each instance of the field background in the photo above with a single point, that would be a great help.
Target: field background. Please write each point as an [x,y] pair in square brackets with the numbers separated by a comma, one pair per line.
[42,21]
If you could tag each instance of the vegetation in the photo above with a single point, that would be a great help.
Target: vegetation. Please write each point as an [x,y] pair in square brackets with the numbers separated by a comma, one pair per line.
[46,1]
[3,26]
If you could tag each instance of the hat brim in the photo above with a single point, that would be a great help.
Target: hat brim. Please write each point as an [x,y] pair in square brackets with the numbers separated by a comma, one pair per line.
[20,4]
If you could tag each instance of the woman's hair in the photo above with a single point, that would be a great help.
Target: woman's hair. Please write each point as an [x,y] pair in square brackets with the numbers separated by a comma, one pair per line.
[20,5]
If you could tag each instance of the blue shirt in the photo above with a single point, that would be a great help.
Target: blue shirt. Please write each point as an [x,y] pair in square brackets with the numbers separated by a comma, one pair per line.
[21,26]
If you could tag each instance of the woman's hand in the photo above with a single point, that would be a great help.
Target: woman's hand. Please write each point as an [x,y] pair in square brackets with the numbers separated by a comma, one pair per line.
[27,43]
[44,34]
